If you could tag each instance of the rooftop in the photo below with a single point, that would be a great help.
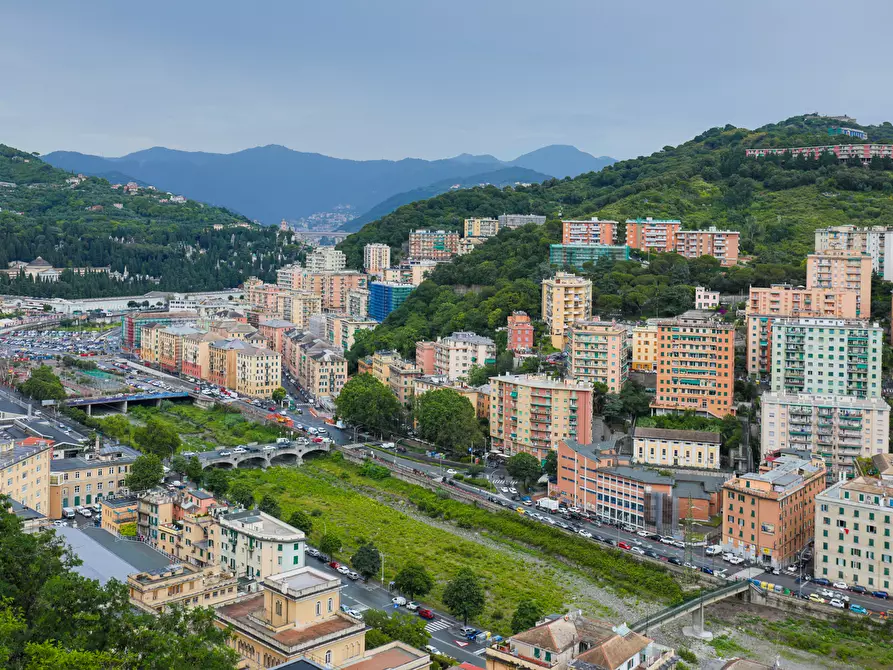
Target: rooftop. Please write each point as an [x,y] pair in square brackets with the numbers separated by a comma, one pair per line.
[543,381]
[261,524]
[470,337]
[673,434]
[121,455]
[301,580]
[19,452]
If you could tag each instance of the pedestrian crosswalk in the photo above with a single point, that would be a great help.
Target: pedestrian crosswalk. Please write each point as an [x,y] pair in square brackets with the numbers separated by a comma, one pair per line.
[436,625]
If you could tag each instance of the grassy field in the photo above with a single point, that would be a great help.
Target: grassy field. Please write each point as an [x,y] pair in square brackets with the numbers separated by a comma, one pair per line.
[361,508]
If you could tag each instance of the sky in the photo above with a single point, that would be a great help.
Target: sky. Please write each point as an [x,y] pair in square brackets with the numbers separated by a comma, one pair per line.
[397,78]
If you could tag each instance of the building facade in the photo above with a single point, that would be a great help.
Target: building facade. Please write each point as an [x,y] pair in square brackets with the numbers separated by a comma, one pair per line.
[644,348]
[593,231]
[843,152]
[650,234]
[566,298]
[837,269]
[519,332]
[481,227]
[721,244]
[455,354]
[519,220]
[256,545]
[25,473]
[876,241]
[376,257]
[385,297]
[677,448]
[598,352]
[705,299]
[577,255]
[326,259]
[84,481]
[435,245]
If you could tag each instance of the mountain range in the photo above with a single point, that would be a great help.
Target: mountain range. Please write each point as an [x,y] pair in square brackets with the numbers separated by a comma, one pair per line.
[273,182]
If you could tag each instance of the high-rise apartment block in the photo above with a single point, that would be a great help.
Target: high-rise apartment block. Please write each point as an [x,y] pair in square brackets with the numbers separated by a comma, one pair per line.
[519,220]
[876,241]
[598,352]
[358,303]
[837,269]
[385,297]
[652,234]
[519,332]
[531,413]
[566,298]
[721,244]
[435,245]
[376,257]
[455,354]
[644,348]
[593,231]
[326,259]
[769,517]
[827,357]
[695,367]
[837,428]
[481,227]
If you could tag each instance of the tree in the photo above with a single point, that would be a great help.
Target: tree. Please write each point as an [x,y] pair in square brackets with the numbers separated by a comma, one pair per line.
[279,395]
[301,520]
[447,419]
[217,481]
[179,464]
[366,401]
[157,437]
[194,470]
[240,492]
[329,545]
[464,596]
[270,505]
[47,308]
[403,627]
[366,560]
[414,581]
[478,375]
[524,467]
[145,473]
[551,466]
[526,616]
[43,385]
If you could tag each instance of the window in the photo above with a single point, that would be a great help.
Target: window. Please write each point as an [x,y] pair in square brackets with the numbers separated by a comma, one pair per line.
[329,657]
[330,604]
[318,608]
[278,608]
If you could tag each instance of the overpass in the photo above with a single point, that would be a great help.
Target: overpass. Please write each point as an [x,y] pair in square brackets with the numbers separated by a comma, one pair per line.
[121,402]
[34,323]
[316,236]
[258,457]
[696,609]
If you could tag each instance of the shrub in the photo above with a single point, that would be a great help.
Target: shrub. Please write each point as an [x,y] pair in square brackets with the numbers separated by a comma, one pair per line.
[128,529]
[687,655]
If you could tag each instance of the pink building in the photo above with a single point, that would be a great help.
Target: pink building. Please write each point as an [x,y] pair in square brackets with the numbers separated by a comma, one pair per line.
[425,355]
[592,231]
[520,332]
[273,331]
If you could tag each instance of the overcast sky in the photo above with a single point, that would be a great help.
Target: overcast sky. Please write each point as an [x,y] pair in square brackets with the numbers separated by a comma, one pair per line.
[396,78]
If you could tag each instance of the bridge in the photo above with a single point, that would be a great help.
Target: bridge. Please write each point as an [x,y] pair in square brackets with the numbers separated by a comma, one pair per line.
[316,236]
[121,402]
[258,457]
[696,609]
[33,323]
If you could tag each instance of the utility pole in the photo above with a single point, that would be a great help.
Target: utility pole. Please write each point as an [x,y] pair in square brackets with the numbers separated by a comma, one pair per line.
[689,548]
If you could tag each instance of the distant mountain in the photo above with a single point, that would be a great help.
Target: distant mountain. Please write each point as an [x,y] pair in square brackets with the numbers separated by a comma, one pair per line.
[500,178]
[562,160]
[273,182]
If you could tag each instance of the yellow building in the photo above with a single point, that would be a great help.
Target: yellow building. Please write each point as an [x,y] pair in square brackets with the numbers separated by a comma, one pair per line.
[566,298]
[401,379]
[25,472]
[376,257]
[81,481]
[481,227]
[316,364]
[644,349]
[478,396]
[244,368]
[117,512]
[187,585]
[676,448]
[349,330]
[148,351]
[297,306]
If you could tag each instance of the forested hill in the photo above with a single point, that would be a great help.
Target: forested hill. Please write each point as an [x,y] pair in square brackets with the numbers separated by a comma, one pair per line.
[79,225]
[775,203]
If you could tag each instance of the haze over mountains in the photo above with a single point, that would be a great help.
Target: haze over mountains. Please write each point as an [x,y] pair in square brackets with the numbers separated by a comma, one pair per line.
[273,182]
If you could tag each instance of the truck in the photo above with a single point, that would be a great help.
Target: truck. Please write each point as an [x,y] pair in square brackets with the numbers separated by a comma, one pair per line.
[551,506]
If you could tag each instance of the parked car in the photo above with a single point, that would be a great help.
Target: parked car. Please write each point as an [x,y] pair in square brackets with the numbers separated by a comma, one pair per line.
[426,614]
[651,553]
[585,533]
[432,651]
[412,606]
[624,545]
[642,533]
[354,613]
[736,560]
[855,588]
[713,550]
[840,585]
[353,576]
[821,581]
[881,594]
[240,450]
[674,560]
[466,630]
[334,565]
[400,601]
[638,550]
[226,452]
[816,598]
[858,609]
[59,523]
[835,602]
[312,552]
[344,570]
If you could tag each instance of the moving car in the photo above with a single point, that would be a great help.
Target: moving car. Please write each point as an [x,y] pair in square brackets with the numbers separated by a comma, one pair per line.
[638,550]
[585,533]
[400,601]
[426,614]
[623,545]
[821,581]
[858,609]
[353,576]
[240,450]
[816,598]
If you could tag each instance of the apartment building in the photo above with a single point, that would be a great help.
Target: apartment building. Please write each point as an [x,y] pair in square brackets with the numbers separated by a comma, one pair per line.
[598,352]
[325,259]
[769,516]
[256,545]
[578,255]
[531,413]
[455,354]
[644,348]
[424,356]
[385,297]
[297,306]
[519,332]
[410,271]
[827,357]
[288,277]
[297,613]
[593,231]
[650,234]
[469,244]
[721,244]
[133,323]
[333,287]
[247,369]
[402,375]
[853,528]
[25,473]
[478,396]
[481,227]
[837,428]
[186,528]
[349,329]
[695,367]
[843,152]
[273,331]
[376,257]
[317,365]
[358,303]
[195,352]
[706,299]
[677,448]
[170,349]
[181,584]
[566,298]
[876,241]
[87,478]
[435,245]
[766,305]
[517,220]
[838,269]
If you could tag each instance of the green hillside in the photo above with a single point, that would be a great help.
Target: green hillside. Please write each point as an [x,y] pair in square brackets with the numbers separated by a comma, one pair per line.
[42,215]
[776,203]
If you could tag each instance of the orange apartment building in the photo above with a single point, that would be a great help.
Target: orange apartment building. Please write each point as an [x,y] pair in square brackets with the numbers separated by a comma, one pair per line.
[196,356]
[765,305]
[566,298]
[846,270]
[273,331]
[333,287]
[644,348]
[593,231]
[650,234]
[695,367]
[769,516]
[244,368]
[435,245]
[424,356]
[519,332]
[598,352]
[531,413]
[721,244]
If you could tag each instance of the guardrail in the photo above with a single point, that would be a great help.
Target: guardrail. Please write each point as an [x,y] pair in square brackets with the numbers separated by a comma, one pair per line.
[691,605]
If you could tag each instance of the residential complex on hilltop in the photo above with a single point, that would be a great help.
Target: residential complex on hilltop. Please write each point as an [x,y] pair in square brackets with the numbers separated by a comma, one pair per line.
[592,231]
[435,245]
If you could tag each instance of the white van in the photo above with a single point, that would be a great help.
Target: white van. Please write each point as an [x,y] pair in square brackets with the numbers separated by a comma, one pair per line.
[68,512]
[282,440]
[312,431]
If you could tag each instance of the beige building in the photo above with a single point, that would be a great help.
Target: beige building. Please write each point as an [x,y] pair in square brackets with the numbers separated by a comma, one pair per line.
[876,241]
[598,352]
[402,378]
[455,354]
[316,363]
[196,356]
[247,369]
[326,259]
[376,257]
[566,298]
[839,269]
[89,478]
[677,448]
[297,306]
[156,590]
[481,227]
[25,472]
[644,348]
[358,303]
[254,544]
[853,525]
[349,329]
